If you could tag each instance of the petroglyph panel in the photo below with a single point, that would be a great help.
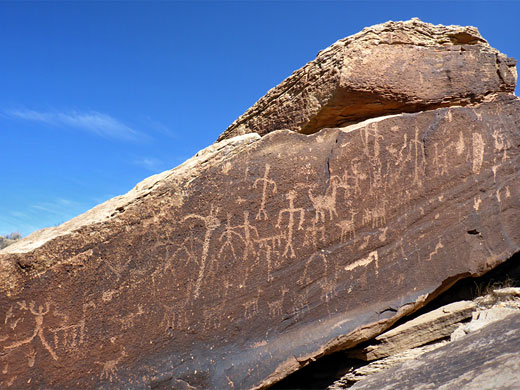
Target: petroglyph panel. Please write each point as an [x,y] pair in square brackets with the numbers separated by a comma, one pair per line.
[294,235]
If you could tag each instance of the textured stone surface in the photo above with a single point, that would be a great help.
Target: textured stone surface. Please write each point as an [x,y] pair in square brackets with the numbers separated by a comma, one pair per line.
[432,326]
[487,359]
[389,68]
[259,255]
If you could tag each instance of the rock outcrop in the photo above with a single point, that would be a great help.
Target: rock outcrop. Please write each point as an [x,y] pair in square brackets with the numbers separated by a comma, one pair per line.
[431,331]
[390,68]
[262,254]
[487,359]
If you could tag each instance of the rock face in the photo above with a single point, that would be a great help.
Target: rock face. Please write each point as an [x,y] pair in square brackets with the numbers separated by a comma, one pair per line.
[487,359]
[261,254]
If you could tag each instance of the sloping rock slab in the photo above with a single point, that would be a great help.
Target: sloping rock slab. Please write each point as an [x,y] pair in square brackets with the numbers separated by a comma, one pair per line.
[248,264]
[389,68]
[432,326]
[487,359]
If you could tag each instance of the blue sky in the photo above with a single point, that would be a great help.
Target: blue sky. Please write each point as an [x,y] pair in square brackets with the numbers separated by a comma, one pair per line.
[96,96]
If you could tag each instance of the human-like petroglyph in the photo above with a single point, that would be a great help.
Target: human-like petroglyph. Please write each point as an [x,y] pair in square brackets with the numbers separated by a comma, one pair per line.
[502,144]
[291,212]
[211,222]
[478,152]
[314,234]
[187,252]
[460,144]
[227,237]
[38,332]
[419,157]
[266,183]
[269,245]
[11,320]
[248,238]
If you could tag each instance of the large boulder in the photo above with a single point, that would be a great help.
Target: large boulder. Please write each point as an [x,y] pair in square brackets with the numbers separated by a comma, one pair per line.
[390,68]
[261,254]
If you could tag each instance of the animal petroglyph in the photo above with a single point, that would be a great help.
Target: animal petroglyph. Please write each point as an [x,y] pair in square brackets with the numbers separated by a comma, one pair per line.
[371,258]
[438,247]
[276,307]
[128,321]
[376,216]
[266,183]
[38,332]
[109,367]
[211,222]
[347,227]
[325,203]
[291,211]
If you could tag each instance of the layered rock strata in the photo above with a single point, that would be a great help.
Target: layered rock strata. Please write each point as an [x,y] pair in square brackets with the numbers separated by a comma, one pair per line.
[261,254]
[487,359]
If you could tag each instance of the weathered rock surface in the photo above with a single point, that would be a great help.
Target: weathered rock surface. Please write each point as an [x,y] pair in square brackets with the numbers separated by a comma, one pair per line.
[389,68]
[424,329]
[400,344]
[487,359]
[261,254]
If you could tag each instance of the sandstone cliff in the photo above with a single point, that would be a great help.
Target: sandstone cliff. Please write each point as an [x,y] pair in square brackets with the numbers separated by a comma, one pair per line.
[349,196]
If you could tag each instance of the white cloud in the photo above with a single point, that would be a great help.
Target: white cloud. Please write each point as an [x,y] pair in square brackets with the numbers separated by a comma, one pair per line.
[94,122]
[150,163]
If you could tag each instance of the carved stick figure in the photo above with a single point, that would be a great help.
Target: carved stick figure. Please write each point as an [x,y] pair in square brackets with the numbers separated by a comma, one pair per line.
[268,244]
[266,182]
[211,222]
[38,329]
[248,239]
[228,233]
[291,210]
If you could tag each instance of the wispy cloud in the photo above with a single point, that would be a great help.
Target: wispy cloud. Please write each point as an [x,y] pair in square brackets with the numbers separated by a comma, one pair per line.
[94,122]
[40,215]
[59,206]
[150,163]
[158,127]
